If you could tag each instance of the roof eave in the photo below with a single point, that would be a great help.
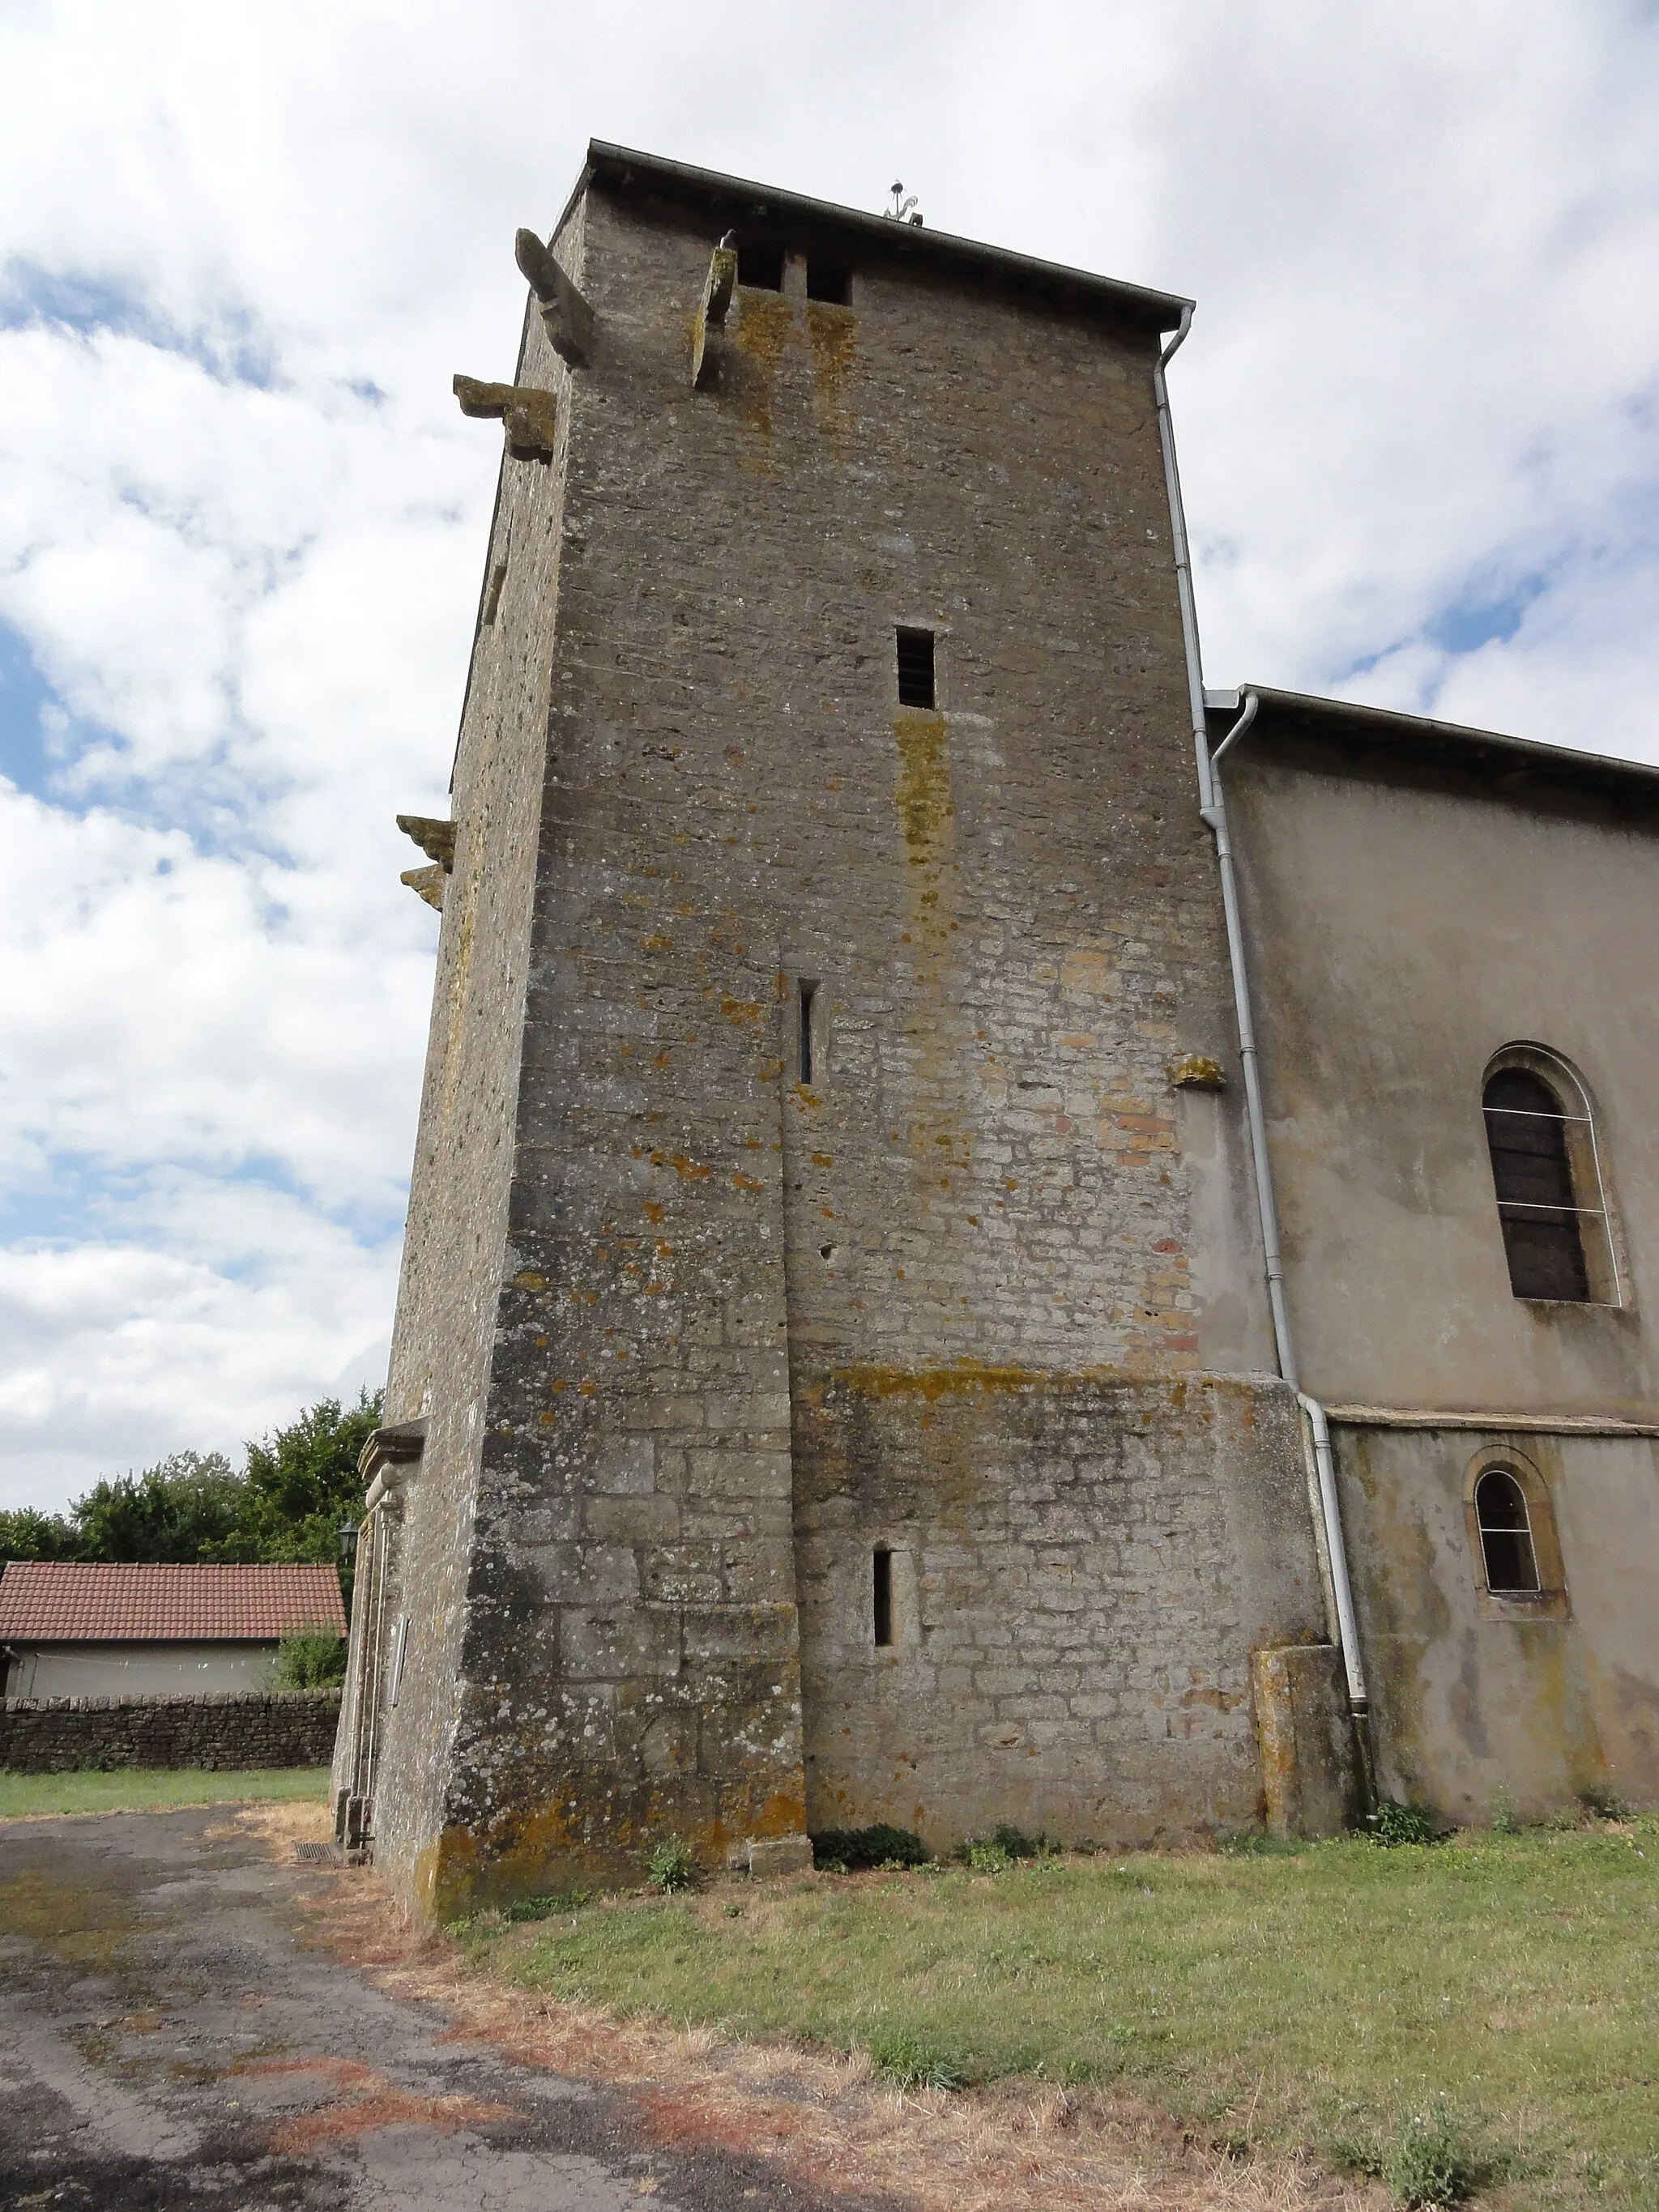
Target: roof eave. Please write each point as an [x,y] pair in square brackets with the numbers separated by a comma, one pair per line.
[1384,723]
[1160,311]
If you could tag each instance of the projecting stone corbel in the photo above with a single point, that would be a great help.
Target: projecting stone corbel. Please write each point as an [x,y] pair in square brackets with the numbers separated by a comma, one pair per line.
[532,417]
[437,841]
[1197,1071]
[716,299]
[567,317]
[390,1461]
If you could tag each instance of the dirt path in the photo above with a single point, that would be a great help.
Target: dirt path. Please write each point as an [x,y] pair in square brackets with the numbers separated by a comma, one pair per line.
[166,2036]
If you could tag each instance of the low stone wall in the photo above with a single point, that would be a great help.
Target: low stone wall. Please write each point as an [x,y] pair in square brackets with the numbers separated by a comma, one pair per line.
[230,1729]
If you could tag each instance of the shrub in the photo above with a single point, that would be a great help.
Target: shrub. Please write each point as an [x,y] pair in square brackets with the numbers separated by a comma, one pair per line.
[1018,1845]
[850,1850]
[903,2058]
[670,1866]
[1430,2163]
[1392,1825]
[309,1659]
[1606,1804]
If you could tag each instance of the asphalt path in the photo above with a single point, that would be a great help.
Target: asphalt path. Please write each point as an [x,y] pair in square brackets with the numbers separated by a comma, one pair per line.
[166,2039]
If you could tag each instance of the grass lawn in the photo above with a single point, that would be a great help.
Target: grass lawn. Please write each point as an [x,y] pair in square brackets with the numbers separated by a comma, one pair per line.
[135,1790]
[1321,1997]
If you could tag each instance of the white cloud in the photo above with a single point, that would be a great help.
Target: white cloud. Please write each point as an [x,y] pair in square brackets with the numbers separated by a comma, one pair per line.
[248,247]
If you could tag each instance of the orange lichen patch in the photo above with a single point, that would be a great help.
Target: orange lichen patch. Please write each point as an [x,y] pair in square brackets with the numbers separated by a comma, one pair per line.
[833,334]
[765,326]
[968,1375]
[688,1171]
[656,945]
[823,1160]
[529,1280]
[744,1012]
[741,1182]
[924,784]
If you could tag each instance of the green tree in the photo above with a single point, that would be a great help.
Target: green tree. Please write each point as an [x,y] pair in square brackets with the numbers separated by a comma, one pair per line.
[303,1485]
[300,1488]
[175,1511]
[28,1534]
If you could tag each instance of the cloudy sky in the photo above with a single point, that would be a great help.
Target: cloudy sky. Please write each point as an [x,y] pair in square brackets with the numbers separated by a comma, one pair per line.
[242,249]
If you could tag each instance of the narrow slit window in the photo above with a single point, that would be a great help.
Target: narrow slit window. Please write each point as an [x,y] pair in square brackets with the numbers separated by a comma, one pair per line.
[760,265]
[1532,1175]
[493,596]
[400,1646]
[883,1563]
[1506,1547]
[916,668]
[828,281]
[806,993]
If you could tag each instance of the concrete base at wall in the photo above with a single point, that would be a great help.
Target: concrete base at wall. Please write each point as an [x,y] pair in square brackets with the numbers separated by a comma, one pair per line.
[1311,1777]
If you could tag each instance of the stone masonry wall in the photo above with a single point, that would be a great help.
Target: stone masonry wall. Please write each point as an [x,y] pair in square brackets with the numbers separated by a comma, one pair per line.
[1009,908]
[1080,1569]
[231,1729]
[453,1249]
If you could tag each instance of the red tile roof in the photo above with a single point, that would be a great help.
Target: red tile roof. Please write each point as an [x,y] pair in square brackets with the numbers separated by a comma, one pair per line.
[67,1601]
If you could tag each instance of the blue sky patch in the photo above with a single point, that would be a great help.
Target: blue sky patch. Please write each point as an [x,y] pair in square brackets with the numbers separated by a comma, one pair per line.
[234,351]
[1479,619]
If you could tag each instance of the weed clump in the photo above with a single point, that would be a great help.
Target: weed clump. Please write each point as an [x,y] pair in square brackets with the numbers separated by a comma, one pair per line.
[1505,1821]
[1003,1848]
[1429,2163]
[670,1866]
[908,2061]
[544,1908]
[988,1858]
[851,1851]
[1393,1825]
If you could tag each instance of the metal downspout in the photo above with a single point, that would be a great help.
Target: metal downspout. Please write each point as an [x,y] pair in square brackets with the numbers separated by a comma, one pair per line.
[1212,809]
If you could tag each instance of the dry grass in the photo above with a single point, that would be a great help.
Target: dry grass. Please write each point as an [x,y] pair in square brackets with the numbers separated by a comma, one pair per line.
[825,2120]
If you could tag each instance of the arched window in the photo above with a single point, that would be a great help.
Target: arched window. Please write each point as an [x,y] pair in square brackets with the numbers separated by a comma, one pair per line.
[1506,1545]
[1547,1179]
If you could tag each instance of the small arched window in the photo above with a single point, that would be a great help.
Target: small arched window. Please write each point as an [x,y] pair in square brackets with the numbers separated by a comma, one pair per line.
[1506,1547]
[1547,1175]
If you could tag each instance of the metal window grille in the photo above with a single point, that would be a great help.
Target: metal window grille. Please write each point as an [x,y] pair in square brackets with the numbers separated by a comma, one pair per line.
[1538,1207]
[1506,1547]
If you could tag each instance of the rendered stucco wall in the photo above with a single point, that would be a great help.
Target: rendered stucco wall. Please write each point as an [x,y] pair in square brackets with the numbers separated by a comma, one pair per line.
[119,1670]
[1406,922]
[1479,1700]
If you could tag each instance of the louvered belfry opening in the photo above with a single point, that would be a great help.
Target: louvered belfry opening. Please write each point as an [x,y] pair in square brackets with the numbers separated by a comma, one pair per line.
[1543,1238]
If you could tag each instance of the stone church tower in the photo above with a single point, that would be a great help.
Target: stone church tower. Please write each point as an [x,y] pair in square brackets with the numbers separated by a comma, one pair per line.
[832,1377]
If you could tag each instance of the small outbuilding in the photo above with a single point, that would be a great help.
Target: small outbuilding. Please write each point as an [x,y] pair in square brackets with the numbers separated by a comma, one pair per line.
[71,1629]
